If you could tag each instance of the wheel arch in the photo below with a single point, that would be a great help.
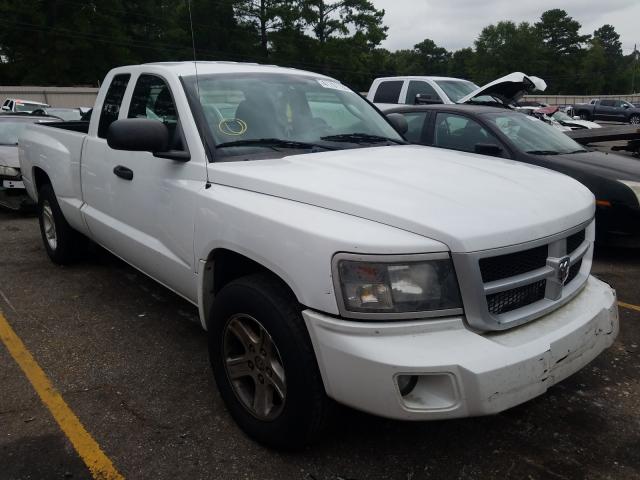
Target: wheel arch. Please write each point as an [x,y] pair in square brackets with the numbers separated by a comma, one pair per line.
[224,265]
[40,178]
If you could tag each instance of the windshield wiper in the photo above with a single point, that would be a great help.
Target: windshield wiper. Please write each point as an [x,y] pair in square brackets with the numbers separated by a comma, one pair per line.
[360,138]
[272,142]
[542,152]
[578,151]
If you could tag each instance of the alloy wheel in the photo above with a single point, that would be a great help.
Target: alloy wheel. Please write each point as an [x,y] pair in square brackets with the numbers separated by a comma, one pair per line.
[49,225]
[254,367]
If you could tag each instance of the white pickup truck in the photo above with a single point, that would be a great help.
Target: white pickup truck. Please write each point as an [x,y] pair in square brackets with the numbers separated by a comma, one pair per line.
[328,258]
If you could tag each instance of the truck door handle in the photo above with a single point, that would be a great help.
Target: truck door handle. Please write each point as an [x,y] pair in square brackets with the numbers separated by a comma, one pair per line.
[123,172]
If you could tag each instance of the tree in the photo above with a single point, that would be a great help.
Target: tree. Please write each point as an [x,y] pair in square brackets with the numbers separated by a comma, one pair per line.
[591,78]
[506,47]
[268,16]
[461,63]
[339,18]
[562,49]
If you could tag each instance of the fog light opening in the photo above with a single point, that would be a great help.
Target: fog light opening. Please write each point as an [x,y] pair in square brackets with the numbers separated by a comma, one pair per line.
[406,384]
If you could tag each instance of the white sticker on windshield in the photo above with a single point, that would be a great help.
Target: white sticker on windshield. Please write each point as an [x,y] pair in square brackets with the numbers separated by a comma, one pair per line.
[333,85]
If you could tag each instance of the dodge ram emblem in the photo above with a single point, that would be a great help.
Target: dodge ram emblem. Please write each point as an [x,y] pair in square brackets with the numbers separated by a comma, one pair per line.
[563,269]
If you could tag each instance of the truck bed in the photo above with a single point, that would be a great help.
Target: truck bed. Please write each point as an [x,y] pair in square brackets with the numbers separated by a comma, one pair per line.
[80,126]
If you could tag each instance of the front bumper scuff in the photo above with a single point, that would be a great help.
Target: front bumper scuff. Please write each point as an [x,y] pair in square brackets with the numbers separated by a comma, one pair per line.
[464,373]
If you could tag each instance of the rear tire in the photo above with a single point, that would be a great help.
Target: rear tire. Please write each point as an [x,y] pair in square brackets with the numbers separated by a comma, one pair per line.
[265,312]
[61,242]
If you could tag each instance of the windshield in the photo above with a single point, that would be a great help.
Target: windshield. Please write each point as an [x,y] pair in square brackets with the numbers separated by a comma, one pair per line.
[67,114]
[456,89]
[531,135]
[257,113]
[562,117]
[10,129]
[26,107]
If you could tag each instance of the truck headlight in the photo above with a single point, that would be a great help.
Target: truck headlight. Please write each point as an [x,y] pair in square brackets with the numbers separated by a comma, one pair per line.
[634,186]
[9,171]
[391,287]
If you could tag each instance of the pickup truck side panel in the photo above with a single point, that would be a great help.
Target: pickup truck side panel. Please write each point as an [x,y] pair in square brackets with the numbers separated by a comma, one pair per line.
[59,156]
[300,240]
[148,220]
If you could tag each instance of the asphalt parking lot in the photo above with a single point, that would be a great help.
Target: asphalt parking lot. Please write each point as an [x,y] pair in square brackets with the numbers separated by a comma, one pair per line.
[130,360]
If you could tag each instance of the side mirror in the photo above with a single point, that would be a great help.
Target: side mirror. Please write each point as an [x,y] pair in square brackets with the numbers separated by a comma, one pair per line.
[5,108]
[490,149]
[138,135]
[399,122]
[626,105]
[425,99]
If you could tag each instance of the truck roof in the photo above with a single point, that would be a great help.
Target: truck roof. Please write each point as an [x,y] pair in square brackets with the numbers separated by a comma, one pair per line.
[421,77]
[204,67]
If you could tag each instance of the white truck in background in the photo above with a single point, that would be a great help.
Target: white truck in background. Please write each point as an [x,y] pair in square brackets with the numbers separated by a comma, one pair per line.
[327,258]
[415,90]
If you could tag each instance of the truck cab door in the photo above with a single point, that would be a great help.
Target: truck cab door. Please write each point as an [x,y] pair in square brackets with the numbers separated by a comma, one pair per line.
[142,207]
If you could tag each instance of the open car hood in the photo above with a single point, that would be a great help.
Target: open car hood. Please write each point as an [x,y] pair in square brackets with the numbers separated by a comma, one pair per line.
[508,89]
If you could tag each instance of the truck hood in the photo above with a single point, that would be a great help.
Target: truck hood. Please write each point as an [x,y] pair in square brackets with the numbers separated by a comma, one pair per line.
[9,156]
[467,201]
[508,89]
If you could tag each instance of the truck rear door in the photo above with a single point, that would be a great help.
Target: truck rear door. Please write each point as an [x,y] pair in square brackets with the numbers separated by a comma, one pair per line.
[140,206]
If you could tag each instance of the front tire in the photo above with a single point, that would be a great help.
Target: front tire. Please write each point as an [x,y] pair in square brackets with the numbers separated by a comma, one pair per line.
[634,119]
[61,242]
[264,363]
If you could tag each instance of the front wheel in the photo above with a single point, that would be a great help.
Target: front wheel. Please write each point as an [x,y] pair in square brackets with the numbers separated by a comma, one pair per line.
[634,120]
[61,241]
[264,364]
[584,116]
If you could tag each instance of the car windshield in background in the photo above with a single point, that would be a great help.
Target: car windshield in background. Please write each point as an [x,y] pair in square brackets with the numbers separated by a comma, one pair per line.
[26,107]
[67,114]
[10,129]
[562,117]
[255,113]
[534,136]
[456,89]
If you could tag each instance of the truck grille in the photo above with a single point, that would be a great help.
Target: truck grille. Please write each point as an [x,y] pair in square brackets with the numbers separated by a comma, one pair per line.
[521,283]
[515,298]
[512,264]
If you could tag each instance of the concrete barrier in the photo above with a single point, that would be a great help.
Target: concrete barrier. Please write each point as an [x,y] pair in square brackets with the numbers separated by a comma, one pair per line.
[573,99]
[54,96]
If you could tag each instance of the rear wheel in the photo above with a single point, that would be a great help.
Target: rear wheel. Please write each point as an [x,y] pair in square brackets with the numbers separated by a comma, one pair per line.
[264,364]
[61,242]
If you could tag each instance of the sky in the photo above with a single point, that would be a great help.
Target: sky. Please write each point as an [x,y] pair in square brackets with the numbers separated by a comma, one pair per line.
[455,24]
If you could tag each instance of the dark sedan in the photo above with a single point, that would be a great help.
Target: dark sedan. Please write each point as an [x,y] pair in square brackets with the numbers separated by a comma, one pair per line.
[500,132]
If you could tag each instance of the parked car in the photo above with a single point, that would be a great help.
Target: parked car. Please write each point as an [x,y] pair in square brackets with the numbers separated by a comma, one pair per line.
[613,179]
[327,258]
[612,110]
[12,192]
[21,106]
[66,114]
[433,90]
[555,117]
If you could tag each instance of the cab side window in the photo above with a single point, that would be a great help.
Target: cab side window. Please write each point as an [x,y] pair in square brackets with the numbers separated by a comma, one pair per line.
[418,87]
[458,132]
[416,124]
[112,102]
[152,99]
[388,92]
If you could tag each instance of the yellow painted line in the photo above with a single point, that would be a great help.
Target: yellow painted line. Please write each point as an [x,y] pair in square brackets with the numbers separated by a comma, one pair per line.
[629,306]
[98,463]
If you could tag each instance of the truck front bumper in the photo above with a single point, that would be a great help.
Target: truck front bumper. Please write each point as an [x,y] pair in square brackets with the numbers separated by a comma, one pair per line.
[458,372]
